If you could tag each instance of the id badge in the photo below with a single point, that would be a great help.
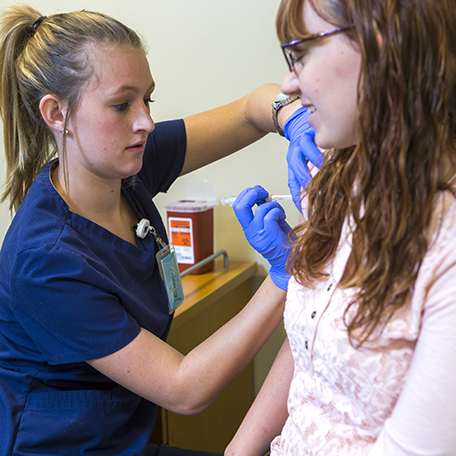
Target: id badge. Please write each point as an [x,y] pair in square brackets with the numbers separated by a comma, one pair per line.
[169,271]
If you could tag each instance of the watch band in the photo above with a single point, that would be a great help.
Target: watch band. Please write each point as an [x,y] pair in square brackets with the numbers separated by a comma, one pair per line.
[279,102]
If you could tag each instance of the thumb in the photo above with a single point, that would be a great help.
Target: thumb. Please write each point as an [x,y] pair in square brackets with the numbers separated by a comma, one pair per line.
[310,150]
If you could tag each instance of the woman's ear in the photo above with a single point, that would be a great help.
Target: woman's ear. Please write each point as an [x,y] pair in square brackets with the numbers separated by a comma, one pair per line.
[53,110]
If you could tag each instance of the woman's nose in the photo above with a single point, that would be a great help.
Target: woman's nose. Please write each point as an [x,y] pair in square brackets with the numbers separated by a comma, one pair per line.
[144,121]
[290,85]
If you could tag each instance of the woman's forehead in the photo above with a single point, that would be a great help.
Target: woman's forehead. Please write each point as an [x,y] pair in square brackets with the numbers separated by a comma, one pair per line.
[119,66]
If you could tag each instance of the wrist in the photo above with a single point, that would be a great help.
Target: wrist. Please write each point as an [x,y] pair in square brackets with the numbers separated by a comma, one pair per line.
[279,103]
[257,107]
[280,278]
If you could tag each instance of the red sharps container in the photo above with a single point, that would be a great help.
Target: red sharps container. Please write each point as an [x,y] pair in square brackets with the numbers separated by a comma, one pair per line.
[191,231]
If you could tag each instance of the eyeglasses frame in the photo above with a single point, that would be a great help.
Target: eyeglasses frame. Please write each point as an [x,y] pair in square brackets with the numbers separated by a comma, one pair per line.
[287,52]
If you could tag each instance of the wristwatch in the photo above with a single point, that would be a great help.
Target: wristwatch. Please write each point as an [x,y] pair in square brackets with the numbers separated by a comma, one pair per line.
[280,101]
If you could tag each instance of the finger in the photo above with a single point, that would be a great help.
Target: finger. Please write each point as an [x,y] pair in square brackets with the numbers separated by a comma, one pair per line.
[295,189]
[245,201]
[251,196]
[275,220]
[275,212]
[284,226]
[296,159]
[263,211]
[242,211]
[256,226]
[275,225]
[274,217]
[242,194]
[297,123]
[310,150]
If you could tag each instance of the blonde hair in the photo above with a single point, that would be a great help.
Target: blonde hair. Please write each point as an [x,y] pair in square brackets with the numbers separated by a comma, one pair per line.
[39,56]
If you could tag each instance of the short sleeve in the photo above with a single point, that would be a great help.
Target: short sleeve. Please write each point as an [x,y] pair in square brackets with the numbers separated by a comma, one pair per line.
[67,306]
[164,156]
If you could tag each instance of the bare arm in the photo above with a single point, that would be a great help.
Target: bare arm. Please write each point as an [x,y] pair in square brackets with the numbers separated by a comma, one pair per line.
[268,414]
[214,134]
[188,384]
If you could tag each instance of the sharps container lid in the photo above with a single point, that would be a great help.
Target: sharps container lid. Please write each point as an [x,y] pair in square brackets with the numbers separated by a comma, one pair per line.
[189,205]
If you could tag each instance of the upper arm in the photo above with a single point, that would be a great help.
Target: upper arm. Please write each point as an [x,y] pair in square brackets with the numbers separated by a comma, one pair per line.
[214,134]
[424,418]
[267,416]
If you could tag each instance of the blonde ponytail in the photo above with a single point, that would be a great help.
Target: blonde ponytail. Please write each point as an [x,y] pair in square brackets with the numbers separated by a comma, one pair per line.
[38,56]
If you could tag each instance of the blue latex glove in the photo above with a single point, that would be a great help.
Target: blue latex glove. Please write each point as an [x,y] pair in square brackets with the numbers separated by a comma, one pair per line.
[302,148]
[266,231]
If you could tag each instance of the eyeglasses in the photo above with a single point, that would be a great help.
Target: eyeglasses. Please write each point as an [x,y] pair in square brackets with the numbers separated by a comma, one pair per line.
[288,51]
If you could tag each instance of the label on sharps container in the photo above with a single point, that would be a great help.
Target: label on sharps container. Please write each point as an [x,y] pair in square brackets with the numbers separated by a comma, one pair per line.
[181,236]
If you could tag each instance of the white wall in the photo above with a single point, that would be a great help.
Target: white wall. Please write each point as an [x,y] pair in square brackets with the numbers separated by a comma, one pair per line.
[204,53]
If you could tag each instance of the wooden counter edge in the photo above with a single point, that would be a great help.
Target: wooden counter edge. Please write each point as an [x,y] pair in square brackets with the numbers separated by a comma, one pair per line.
[203,290]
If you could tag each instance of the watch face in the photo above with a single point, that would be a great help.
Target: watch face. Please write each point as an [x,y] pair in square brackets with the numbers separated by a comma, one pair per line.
[280,98]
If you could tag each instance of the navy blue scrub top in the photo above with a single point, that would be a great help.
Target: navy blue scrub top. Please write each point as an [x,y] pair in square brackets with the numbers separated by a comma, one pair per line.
[71,291]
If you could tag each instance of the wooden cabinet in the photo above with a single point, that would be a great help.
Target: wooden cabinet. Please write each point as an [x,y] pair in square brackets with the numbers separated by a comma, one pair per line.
[211,299]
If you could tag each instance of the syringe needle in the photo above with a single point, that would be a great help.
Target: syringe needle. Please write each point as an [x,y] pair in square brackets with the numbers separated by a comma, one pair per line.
[278,197]
[230,201]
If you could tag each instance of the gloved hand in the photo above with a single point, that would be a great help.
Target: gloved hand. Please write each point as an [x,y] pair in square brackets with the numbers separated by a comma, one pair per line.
[266,231]
[302,148]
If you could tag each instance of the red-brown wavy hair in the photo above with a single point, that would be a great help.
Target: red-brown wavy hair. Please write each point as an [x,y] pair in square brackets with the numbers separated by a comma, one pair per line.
[405,156]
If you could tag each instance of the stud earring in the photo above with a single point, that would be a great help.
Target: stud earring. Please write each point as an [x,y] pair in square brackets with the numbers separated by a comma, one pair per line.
[64,131]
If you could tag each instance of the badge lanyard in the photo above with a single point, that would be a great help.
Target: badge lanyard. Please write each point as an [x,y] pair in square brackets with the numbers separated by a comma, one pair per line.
[167,265]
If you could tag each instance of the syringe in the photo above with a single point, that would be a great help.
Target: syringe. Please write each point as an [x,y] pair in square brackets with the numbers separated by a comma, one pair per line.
[232,199]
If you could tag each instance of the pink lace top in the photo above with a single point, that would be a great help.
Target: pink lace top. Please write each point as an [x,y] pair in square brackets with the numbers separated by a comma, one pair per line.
[395,397]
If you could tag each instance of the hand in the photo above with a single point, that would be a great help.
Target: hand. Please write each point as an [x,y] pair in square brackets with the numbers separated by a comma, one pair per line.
[302,148]
[266,231]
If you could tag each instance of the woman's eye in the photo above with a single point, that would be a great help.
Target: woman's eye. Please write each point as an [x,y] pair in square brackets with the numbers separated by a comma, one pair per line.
[121,106]
[299,54]
[298,61]
[148,101]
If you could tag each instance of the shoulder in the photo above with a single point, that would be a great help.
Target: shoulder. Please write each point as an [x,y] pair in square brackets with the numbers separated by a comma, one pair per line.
[169,134]
[42,233]
[39,219]
[442,236]
[435,285]
[164,156]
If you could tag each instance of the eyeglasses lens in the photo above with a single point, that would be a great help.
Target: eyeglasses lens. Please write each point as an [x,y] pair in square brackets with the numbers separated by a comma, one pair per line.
[290,58]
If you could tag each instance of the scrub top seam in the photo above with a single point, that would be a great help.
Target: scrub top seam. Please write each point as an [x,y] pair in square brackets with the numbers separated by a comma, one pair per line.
[24,404]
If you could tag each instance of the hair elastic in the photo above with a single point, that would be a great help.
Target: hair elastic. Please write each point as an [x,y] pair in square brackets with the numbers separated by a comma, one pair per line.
[37,23]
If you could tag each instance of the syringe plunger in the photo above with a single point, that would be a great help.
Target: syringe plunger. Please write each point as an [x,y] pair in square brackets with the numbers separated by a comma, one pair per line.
[228,201]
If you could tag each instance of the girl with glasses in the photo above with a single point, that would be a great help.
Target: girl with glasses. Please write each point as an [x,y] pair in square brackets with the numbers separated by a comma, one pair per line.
[369,363]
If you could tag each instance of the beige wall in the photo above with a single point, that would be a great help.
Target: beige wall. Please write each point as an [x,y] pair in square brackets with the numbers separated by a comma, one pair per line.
[204,53]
